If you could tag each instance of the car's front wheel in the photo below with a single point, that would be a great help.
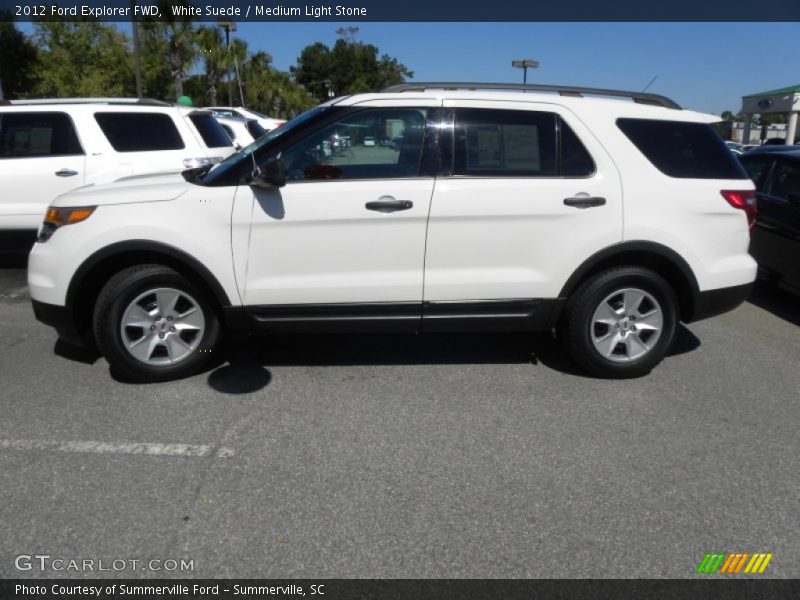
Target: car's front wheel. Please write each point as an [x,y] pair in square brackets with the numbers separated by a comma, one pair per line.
[152,324]
[621,322]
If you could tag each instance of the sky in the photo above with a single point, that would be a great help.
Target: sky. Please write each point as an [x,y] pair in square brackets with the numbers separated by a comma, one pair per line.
[702,66]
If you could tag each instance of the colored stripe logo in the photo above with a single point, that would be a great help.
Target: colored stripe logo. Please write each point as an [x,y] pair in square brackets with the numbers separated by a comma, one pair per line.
[734,563]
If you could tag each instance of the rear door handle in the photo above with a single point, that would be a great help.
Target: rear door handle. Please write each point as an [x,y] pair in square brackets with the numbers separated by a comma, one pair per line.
[389,205]
[585,201]
[66,173]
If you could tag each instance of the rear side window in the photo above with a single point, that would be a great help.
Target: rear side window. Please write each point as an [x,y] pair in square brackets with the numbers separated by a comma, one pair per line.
[139,132]
[684,150]
[574,158]
[506,143]
[213,134]
[228,131]
[255,129]
[37,134]
[517,143]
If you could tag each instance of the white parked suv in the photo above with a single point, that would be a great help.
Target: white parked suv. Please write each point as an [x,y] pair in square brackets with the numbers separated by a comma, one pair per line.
[48,147]
[241,131]
[607,219]
[268,123]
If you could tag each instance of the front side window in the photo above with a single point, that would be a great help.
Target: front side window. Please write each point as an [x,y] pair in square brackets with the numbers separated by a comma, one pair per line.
[369,144]
[517,143]
[37,134]
[139,132]
[785,182]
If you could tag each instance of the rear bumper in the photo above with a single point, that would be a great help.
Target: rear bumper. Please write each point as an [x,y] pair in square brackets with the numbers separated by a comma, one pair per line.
[711,303]
[60,318]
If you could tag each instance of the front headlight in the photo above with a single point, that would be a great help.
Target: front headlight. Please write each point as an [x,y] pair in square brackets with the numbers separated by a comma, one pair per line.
[58,217]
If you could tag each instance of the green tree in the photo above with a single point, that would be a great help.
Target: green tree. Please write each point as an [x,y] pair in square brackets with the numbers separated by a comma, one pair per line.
[270,91]
[194,86]
[214,55]
[313,70]
[19,59]
[153,51]
[181,50]
[85,58]
[347,68]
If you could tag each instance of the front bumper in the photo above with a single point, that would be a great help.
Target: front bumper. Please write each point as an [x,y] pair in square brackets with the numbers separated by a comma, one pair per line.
[59,317]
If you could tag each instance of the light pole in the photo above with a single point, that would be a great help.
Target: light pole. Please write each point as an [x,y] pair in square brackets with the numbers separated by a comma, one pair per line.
[525,64]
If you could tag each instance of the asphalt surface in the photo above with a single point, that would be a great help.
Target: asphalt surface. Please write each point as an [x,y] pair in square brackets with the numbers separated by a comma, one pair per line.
[396,456]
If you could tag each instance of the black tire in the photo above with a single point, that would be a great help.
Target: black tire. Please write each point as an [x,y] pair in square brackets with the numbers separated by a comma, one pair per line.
[116,296]
[578,329]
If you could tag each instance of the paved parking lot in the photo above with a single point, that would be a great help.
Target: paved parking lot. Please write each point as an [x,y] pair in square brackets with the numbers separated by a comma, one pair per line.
[394,456]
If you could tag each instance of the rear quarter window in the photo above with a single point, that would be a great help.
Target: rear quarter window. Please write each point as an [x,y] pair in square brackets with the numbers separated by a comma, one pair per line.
[255,129]
[214,136]
[139,132]
[681,149]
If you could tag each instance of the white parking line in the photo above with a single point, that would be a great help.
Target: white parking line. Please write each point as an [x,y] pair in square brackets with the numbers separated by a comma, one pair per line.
[92,447]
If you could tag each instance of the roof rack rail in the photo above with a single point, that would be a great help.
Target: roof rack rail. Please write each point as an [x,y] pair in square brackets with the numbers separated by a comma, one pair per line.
[563,90]
[124,101]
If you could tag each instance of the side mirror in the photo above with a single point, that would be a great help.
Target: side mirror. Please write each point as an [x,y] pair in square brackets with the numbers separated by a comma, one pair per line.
[271,174]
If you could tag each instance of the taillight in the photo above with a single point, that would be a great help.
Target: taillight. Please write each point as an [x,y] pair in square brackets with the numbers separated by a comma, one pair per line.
[743,200]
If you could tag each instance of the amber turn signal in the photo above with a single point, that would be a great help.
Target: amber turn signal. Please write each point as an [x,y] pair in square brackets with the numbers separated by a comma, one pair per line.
[67,216]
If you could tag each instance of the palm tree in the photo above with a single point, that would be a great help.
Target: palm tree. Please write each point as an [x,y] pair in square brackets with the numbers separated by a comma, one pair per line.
[181,39]
[215,58]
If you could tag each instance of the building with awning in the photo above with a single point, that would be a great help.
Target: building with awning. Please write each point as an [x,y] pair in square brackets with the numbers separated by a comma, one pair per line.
[784,100]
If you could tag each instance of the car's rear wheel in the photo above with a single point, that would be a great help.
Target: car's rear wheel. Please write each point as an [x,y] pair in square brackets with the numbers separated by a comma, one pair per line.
[152,324]
[621,322]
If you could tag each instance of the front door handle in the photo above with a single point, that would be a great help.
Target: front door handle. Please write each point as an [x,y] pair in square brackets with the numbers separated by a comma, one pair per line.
[66,173]
[585,201]
[388,205]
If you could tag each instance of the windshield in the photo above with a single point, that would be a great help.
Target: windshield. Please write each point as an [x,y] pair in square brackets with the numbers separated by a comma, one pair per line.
[235,159]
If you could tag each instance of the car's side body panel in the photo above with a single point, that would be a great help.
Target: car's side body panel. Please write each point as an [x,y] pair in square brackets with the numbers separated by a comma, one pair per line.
[492,238]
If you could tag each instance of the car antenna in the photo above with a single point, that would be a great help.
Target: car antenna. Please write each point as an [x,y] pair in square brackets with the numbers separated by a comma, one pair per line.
[651,83]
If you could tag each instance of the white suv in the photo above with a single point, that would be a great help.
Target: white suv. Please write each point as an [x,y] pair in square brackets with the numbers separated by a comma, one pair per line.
[268,123]
[495,207]
[48,147]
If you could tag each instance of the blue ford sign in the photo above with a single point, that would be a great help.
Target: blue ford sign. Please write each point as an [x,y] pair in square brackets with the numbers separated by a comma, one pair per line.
[765,103]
